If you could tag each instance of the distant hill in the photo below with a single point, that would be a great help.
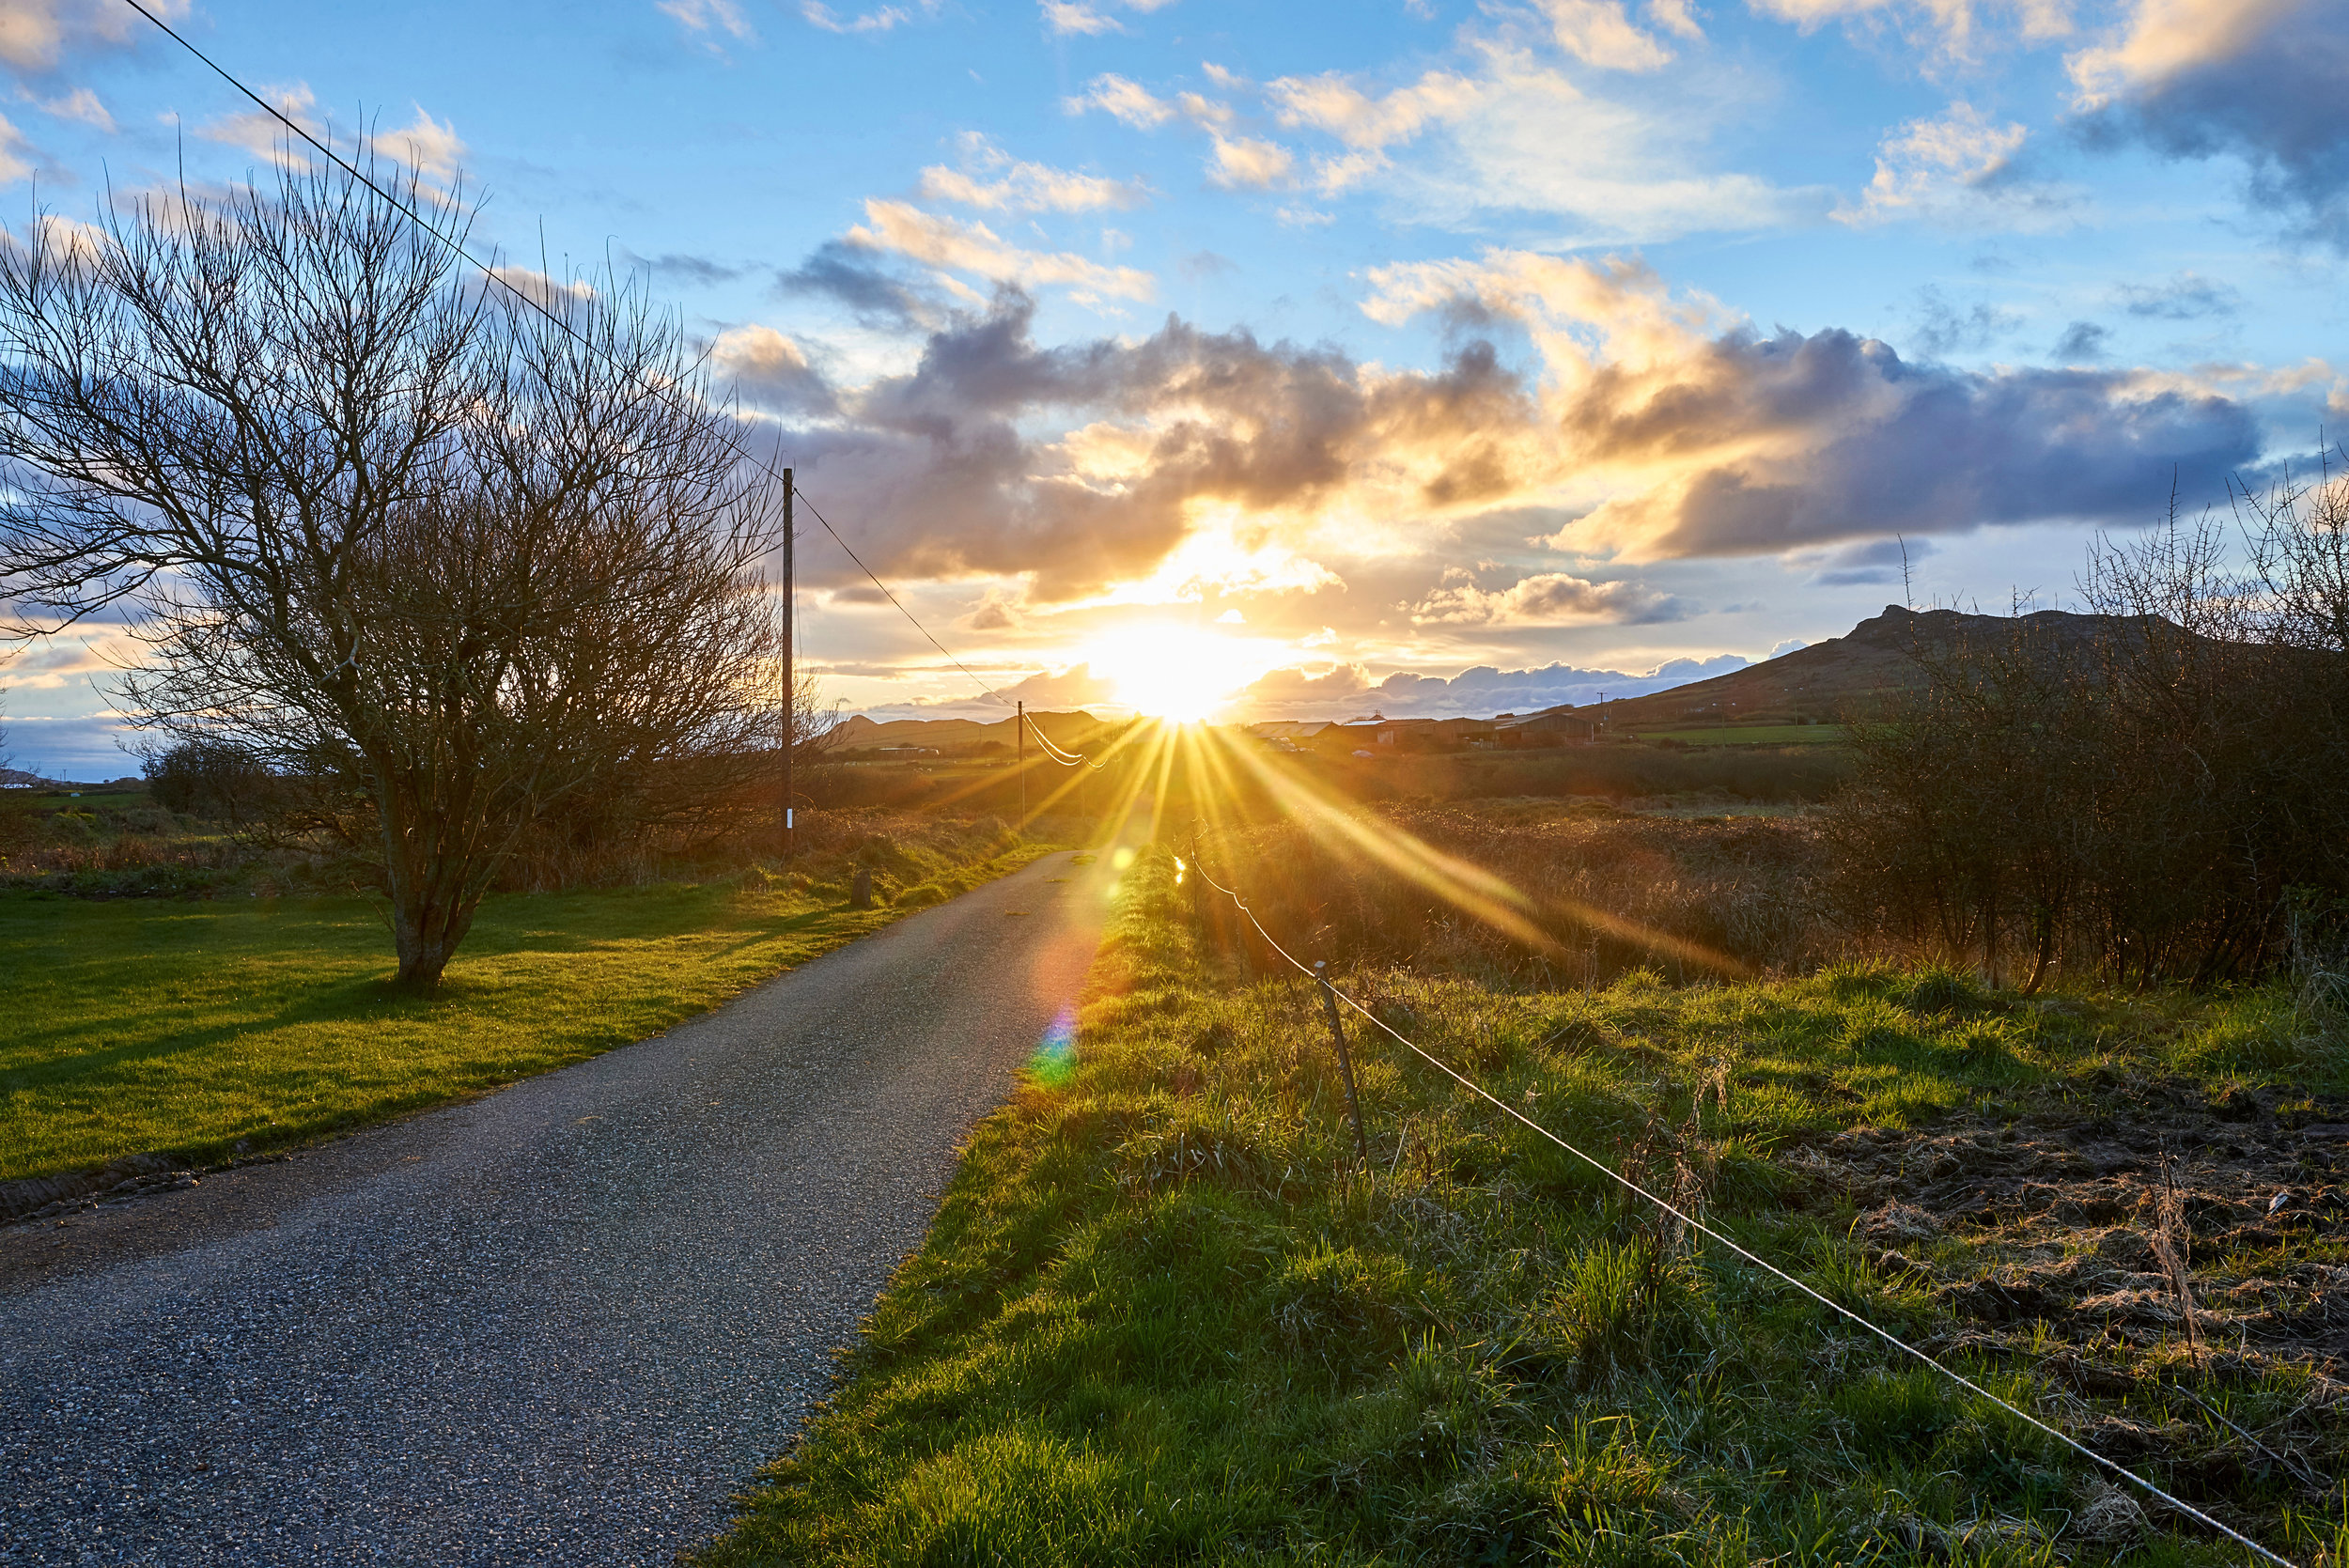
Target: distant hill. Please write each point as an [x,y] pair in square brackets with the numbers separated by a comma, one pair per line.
[1073,730]
[1841,677]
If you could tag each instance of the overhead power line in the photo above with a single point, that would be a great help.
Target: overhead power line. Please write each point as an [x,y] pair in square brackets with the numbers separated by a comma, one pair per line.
[408,209]
[1759,1262]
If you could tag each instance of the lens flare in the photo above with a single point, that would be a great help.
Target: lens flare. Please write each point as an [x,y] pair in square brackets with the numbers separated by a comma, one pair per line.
[1056,1056]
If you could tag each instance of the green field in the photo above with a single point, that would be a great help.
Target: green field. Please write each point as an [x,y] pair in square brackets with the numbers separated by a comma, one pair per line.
[202,1030]
[1163,1317]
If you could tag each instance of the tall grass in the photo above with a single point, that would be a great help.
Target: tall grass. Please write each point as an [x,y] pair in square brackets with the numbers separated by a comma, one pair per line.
[1609,892]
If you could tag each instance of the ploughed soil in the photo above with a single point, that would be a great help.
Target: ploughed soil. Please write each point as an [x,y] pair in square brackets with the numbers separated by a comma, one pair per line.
[2043,1235]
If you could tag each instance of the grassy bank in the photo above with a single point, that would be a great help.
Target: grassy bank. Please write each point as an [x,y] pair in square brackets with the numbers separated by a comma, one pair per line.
[1159,1320]
[206,1029]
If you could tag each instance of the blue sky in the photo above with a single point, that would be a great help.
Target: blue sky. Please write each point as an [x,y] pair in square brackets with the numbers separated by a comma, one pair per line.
[1193,349]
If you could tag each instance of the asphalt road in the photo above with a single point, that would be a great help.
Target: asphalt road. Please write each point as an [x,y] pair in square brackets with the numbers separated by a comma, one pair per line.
[558,1324]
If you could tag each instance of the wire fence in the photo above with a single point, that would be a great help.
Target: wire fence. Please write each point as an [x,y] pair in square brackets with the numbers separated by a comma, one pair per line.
[1319,975]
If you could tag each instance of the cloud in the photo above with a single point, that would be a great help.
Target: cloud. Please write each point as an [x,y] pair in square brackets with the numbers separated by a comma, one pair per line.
[1957,168]
[17,155]
[1648,423]
[1545,598]
[1250,163]
[2187,297]
[1868,562]
[1123,100]
[80,104]
[1367,125]
[1722,441]
[1348,691]
[429,147]
[953,246]
[700,269]
[1065,17]
[540,290]
[1674,17]
[1619,170]
[1236,162]
[2259,78]
[991,180]
[1205,459]
[1942,331]
[87,750]
[995,612]
[769,370]
[1599,32]
[263,135]
[2082,343]
[882,19]
[1951,24]
[707,18]
[51,663]
[859,278]
[1199,266]
[37,36]
[1513,135]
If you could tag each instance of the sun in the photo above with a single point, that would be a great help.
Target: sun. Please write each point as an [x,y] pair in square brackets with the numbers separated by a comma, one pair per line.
[1175,672]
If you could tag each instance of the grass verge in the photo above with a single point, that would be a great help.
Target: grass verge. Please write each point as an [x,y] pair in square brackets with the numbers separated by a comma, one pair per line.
[1161,1318]
[203,1030]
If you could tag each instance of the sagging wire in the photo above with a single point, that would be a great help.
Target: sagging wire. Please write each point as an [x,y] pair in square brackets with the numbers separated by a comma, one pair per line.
[1699,1226]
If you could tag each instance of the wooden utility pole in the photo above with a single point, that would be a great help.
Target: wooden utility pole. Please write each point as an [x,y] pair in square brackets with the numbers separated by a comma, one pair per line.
[1019,740]
[790,682]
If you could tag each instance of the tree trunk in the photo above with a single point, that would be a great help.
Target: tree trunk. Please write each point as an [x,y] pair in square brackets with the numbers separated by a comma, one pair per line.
[433,884]
[427,928]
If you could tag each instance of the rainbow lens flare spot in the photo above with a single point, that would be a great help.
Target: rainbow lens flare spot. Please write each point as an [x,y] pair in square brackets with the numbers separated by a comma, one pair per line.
[1056,1057]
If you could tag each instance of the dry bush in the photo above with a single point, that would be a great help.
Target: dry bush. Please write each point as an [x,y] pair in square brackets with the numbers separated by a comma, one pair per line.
[2155,793]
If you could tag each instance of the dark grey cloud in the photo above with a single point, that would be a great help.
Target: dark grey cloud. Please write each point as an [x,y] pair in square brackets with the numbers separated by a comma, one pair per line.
[876,293]
[2082,343]
[1874,445]
[2269,88]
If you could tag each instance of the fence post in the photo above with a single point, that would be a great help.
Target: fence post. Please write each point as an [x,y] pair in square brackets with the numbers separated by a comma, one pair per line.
[1346,1063]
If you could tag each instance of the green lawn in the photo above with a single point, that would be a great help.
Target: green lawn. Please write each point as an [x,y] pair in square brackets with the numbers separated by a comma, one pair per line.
[205,1028]
[1162,1317]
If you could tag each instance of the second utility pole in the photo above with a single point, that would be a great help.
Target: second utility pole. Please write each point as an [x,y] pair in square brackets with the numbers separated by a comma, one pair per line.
[1019,740]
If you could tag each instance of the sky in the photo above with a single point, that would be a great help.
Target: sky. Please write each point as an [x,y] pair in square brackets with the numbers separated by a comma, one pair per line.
[1325,359]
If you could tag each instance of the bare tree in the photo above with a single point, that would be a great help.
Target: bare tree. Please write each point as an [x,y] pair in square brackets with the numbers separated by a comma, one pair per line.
[383,527]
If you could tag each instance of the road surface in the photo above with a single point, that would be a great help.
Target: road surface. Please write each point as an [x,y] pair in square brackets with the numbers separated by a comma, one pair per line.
[558,1324]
